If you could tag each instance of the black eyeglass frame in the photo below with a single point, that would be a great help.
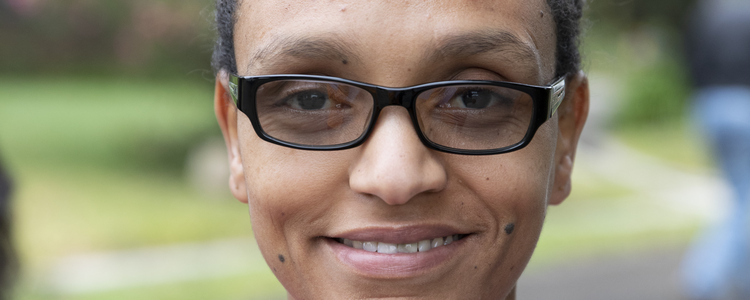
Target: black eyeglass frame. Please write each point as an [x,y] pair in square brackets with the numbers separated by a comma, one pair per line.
[546,100]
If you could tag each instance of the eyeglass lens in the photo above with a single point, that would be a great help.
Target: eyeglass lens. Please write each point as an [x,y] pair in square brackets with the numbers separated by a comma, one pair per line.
[323,113]
[314,113]
[474,117]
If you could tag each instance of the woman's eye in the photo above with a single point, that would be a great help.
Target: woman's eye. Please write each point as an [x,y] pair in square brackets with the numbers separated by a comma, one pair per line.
[309,100]
[474,99]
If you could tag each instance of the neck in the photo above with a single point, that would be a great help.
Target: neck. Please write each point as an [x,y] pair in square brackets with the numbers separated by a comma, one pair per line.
[512,295]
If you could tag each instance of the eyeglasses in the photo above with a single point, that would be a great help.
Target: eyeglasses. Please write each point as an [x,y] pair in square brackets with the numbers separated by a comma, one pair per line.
[313,112]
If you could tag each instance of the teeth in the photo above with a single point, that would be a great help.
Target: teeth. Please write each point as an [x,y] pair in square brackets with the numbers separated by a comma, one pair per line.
[424,245]
[408,248]
[370,246]
[388,248]
[357,244]
[437,242]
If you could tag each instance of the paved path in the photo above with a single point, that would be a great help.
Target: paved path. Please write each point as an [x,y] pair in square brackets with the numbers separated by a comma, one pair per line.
[649,275]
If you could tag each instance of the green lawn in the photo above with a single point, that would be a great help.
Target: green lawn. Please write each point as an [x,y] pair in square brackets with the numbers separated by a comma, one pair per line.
[679,144]
[98,167]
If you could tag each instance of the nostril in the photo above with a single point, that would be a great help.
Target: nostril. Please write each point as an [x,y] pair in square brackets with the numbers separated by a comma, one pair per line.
[397,186]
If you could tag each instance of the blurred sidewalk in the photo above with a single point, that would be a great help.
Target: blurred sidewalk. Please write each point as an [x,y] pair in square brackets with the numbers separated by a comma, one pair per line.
[648,275]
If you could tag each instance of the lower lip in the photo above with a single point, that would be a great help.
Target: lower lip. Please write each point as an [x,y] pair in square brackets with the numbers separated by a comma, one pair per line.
[398,265]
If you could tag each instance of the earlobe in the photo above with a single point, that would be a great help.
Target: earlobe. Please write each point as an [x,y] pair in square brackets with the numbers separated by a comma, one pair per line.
[572,116]
[226,115]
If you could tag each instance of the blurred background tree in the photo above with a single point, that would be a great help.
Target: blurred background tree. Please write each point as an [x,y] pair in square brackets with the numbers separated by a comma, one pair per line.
[168,41]
[138,37]
[646,38]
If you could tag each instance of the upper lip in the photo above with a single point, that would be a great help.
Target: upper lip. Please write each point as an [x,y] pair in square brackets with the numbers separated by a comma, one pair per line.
[398,234]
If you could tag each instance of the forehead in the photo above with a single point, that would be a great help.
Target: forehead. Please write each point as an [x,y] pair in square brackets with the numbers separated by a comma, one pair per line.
[394,32]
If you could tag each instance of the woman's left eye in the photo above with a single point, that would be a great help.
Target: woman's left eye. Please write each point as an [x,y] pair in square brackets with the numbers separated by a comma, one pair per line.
[474,99]
[309,100]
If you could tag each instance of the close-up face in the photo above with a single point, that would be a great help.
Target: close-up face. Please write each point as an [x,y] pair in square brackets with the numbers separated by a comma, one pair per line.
[373,221]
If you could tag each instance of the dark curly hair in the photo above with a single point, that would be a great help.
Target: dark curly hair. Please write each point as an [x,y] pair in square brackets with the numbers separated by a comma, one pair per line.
[567,15]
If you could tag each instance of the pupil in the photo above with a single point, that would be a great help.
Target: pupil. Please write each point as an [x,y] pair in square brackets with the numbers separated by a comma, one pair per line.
[476,99]
[311,100]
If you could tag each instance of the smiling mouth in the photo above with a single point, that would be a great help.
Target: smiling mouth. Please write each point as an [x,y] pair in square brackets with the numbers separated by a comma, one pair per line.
[389,248]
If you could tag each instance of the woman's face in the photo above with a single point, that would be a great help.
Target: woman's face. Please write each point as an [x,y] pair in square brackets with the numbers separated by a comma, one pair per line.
[393,191]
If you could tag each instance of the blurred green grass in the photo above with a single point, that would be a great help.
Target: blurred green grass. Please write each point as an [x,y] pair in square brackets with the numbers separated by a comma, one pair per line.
[103,122]
[678,144]
[98,163]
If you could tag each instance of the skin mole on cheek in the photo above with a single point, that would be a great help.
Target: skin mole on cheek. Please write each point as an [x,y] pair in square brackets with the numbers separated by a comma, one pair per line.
[541,14]
[344,61]
[509,228]
[281,258]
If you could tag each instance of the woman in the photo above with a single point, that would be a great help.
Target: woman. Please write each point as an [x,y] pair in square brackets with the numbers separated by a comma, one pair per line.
[415,155]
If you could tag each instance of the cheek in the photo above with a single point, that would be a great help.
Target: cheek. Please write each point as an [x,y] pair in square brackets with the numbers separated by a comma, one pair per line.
[515,193]
[288,188]
[515,183]
[512,191]
[290,192]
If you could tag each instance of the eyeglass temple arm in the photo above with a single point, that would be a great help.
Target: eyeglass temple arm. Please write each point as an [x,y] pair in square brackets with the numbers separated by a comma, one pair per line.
[233,91]
[557,94]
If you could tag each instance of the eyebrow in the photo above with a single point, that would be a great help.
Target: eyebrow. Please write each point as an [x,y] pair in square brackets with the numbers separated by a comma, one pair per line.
[332,48]
[307,48]
[469,44]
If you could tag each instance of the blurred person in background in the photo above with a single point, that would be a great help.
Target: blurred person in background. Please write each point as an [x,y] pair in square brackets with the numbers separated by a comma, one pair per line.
[718,264]
[448,144]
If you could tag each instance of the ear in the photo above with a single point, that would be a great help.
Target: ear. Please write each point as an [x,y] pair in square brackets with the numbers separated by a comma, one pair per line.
[572,114]
[226,115]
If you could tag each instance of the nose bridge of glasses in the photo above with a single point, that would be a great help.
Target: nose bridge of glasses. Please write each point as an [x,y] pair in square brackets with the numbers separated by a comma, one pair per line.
[395,96]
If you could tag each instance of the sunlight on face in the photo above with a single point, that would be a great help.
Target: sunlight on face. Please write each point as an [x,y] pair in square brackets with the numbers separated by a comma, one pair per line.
[444,226]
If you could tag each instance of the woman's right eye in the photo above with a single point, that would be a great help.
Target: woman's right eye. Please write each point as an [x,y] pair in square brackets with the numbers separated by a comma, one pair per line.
[308,100]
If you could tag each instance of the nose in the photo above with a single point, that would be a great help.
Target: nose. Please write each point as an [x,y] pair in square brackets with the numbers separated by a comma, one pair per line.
[394,165]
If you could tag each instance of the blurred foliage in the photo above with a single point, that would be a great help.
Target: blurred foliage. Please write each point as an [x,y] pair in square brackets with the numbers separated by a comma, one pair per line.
[655,94]
[627,14]
[135,37]
[640,43]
